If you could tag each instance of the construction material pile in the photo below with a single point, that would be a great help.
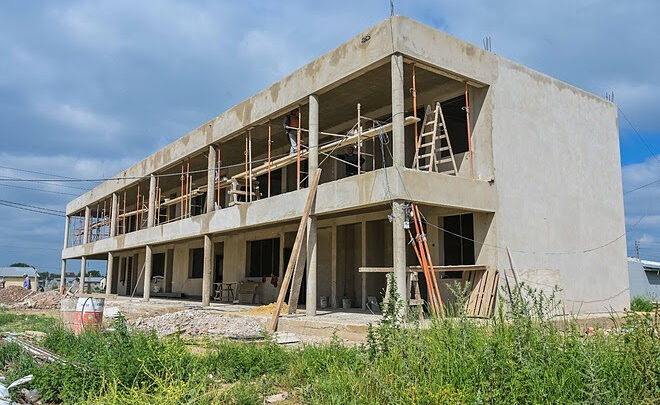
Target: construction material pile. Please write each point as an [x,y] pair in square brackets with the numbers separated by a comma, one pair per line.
[43,300]
[266,310]
[196,322]
[13,294]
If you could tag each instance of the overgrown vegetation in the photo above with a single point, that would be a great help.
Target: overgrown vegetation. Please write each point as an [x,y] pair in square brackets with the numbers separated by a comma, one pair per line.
[15,322]
[641,303]
[521,356]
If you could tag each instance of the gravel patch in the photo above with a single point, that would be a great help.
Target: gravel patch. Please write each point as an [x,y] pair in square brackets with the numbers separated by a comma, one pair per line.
[195,322]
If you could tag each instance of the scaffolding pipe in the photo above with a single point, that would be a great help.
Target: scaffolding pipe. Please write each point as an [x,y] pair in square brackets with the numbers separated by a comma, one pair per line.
[250,160]
[245,177]
[269,140]
[414,97]
[359,141]
[298,133]
[217,152]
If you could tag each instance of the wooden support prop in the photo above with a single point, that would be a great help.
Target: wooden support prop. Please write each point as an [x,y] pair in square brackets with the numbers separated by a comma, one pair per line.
[295,251]
[296,282]
[469,132]
[298,147]
[269,141]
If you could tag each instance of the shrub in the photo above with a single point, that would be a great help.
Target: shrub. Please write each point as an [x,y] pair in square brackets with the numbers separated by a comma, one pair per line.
[641,304]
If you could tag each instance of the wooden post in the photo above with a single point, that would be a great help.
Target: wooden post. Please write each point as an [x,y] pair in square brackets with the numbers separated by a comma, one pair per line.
[294,252]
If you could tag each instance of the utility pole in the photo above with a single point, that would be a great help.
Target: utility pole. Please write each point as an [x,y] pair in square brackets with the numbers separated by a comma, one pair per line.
[637,249]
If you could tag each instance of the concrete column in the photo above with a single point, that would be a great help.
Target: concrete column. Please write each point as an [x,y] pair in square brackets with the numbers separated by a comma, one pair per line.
[399,249]
[210,175]
[208,271]
[333,269]
[109,274]
[398,128]
[151,213]
[148,269]
[83,268]
[63,276]
[86,225]
[113,216]
[310,302]
[66,232]
[363,263]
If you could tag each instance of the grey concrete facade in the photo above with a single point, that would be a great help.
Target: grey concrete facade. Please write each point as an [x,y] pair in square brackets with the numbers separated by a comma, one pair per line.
[543,179]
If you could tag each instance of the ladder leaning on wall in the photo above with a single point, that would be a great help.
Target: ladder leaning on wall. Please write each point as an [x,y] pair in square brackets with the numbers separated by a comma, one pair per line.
[433,145]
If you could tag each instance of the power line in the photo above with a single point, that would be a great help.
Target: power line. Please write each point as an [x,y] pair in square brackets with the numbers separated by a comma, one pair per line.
[641,138]
[38,189]
[36,172]
[32,208]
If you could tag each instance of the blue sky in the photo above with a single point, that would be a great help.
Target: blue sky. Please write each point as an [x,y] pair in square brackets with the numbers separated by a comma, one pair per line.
[88,88]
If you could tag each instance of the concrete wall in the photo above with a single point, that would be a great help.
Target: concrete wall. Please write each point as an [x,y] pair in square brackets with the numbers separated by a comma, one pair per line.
[558,178]
[645,283]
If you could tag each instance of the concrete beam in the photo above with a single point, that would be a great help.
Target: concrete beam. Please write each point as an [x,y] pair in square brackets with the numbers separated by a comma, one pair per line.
[370,189]
[207,277]
[148,270]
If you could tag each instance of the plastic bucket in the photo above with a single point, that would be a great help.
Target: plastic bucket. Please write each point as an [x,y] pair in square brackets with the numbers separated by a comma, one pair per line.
[324,301]
[81,313]
[346,303]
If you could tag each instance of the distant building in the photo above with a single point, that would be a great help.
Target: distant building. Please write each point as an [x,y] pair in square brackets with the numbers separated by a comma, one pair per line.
[14,275]
[644,276]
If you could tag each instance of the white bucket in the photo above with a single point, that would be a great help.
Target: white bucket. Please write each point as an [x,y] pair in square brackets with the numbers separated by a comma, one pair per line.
[346,303]
[324,301]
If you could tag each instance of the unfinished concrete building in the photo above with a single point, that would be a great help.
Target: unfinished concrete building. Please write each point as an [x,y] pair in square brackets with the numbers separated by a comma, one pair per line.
[494,154]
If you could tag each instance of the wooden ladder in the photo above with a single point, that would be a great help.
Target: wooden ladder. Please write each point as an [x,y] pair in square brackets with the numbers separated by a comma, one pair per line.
[433,145]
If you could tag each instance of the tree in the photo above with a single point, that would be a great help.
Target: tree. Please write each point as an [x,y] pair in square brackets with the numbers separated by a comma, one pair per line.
[93,273]
[19,265]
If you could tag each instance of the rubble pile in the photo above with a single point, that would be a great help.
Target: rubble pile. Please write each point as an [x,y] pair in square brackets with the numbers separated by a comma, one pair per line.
[13,294]
[43,300]
[196,322]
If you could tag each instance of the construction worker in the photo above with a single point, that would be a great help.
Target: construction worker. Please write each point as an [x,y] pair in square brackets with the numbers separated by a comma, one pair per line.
[351,161]
[291,123]
[27,284]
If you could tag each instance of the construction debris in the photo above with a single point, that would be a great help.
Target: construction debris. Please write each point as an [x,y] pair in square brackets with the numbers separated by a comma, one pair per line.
[13,294]
[43,300]
[192,322]
[36,351]
[266,310]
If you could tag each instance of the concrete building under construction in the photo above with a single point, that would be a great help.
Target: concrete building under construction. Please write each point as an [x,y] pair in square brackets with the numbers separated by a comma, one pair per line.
[509,168]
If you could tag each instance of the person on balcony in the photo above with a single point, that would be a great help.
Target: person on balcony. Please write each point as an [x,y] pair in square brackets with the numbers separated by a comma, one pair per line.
[291,124]
[350,160]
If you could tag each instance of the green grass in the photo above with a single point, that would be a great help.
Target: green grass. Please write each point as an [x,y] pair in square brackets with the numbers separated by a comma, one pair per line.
[518,357]
[13,322]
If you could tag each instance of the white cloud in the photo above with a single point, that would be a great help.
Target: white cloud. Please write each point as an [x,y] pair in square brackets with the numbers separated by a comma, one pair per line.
[78,117]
